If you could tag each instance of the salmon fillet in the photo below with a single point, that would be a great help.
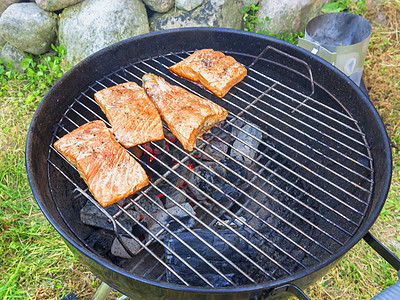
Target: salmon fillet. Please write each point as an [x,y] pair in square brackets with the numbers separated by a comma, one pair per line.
[214,70]
[134,118]
[187,115]
[110,172]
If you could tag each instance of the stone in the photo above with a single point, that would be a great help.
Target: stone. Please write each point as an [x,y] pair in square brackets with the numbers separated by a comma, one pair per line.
[159,5]
[91,215]
[9,54]
[53,5]
[248,3]
[118,250]
[286,16]
[245,146]
[212,13]
[188,5]
[2,42]
[6,3]
[28,27]
[99,23]
[165,219]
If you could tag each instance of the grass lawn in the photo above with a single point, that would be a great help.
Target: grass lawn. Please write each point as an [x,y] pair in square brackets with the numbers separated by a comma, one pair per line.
[37,265]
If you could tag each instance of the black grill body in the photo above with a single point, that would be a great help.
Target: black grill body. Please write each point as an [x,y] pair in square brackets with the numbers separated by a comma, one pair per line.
[96,67]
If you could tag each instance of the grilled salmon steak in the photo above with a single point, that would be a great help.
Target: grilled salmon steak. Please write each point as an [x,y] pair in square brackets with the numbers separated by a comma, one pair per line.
[187,115]
[214,70]
[134,118]
[110,172]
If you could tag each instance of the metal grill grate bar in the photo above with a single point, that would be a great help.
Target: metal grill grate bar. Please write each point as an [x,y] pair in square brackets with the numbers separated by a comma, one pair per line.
[313,109]
[347,205]
[173,234]
[115,223]
[295,100]
[279,141]
[288,202]
[266,194]
[290,116]
[249,242]
[206,224]
[243,207]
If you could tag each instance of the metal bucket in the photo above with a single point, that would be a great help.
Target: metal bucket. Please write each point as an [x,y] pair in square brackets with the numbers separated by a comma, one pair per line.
[341,39]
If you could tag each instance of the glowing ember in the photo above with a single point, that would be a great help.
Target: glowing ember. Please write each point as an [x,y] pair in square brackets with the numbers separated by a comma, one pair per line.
[151,149]
[170,137]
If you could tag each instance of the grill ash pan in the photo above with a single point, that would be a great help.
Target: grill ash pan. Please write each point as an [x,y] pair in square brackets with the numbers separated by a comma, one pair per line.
[293,179]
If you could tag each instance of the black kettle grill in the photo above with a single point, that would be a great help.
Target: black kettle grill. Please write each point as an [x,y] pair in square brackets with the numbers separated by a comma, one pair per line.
[264,224]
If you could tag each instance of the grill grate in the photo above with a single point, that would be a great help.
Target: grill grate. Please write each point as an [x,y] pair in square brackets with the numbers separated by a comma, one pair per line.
[295,203]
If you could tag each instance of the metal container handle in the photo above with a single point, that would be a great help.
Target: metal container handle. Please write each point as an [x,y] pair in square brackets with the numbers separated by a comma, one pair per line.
[289,288]
[316,48]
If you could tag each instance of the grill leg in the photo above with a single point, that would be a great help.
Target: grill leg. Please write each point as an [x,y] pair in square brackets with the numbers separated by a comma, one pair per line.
[392,259]
[102,292]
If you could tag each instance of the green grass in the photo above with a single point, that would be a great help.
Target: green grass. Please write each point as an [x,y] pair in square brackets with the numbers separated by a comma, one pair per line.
[35,261]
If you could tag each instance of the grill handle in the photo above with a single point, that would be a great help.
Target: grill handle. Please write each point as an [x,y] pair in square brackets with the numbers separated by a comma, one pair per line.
[392,292]
[289,288]
[306,65]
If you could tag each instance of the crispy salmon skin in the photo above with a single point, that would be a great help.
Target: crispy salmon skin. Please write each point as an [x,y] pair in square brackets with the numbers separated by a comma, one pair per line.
[187,115]
[214,70]
[110,172]
[134,118]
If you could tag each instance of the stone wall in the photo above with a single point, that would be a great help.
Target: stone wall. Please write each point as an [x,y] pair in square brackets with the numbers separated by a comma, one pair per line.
[84,27]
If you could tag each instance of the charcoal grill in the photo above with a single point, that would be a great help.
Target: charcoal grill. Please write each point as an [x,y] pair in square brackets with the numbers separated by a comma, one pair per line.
[314,185]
